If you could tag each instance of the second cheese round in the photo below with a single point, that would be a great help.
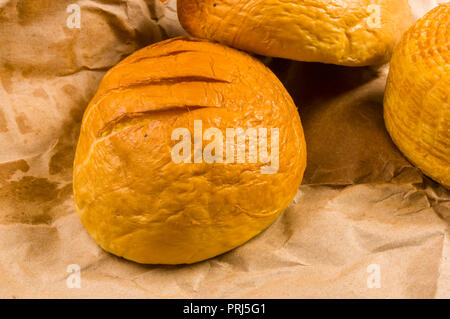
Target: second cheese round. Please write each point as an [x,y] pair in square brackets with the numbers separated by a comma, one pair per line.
[344,32]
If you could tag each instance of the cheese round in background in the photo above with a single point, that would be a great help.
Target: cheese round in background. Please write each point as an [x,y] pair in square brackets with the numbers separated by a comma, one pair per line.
[417,99]
[343,32]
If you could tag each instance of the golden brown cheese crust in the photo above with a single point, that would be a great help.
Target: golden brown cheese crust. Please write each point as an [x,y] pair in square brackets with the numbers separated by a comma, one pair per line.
[344,32]
[417,99]
[135,201]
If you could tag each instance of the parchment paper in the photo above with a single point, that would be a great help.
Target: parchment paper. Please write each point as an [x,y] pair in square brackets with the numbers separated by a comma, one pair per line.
[364,224]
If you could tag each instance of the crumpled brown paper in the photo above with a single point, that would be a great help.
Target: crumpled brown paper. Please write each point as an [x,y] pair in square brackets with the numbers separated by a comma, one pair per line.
[364,224]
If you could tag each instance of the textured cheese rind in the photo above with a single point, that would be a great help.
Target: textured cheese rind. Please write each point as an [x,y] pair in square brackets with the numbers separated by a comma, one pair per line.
[344,32]
[417,99]
[135,201]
